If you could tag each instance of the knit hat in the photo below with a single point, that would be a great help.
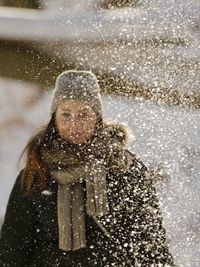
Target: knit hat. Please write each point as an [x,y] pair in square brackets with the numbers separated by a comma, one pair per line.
[77,85]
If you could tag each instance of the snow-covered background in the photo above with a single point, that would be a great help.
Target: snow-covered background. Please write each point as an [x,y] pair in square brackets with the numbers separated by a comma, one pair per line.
[155,44]
[164,136]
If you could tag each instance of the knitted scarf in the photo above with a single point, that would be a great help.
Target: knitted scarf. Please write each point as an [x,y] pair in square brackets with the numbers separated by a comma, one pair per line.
[71,166]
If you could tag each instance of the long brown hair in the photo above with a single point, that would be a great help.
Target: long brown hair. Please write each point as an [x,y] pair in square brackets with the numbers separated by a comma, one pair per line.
[35,174]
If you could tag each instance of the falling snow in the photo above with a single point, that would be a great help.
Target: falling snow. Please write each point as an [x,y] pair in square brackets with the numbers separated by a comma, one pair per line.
[146,54]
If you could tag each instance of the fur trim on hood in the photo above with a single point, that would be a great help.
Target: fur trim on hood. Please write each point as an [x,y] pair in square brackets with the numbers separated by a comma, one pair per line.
[110,145]
[118,132]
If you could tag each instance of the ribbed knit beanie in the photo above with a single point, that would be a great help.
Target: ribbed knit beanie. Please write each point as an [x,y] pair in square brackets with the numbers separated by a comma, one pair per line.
[77,85]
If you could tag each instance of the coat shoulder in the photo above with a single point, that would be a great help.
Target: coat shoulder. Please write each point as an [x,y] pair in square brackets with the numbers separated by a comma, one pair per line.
[129,171]
[134,162]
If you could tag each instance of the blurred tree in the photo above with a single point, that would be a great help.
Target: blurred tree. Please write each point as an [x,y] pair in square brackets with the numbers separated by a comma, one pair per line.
[24,61]
[118,3]
[21,3]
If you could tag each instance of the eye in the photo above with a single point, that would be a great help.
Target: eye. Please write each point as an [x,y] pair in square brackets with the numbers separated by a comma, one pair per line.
[85,115]
[66,115]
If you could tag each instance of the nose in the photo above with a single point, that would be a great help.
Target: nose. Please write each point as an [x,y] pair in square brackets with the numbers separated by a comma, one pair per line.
[76,123]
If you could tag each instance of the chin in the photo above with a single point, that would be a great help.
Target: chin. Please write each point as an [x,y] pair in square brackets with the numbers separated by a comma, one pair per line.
[77,142]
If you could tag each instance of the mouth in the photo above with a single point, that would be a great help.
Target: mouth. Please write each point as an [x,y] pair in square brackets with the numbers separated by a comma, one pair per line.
[76,135]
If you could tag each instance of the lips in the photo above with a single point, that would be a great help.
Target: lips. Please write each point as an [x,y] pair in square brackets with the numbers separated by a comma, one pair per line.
[76,135]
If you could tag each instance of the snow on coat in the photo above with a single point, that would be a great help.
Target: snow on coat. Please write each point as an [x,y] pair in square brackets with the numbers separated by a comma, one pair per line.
[130,235]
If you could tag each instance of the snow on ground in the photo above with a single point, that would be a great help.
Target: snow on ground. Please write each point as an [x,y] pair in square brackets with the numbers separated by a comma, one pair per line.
[164,136]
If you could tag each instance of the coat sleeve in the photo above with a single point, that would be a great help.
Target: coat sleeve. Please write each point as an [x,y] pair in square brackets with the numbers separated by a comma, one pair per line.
[18,232]
[146,236]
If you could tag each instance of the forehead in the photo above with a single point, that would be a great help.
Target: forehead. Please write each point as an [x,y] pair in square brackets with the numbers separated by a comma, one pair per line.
[74,105]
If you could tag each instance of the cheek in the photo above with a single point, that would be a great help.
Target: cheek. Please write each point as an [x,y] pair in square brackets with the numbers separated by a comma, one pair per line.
[89,127]
[63,129]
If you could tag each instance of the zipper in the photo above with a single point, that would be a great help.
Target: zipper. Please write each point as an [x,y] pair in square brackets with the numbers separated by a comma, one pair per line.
[128,261]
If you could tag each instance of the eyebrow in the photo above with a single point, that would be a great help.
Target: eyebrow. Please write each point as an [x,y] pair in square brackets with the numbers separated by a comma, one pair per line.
[65,109]
[84,109]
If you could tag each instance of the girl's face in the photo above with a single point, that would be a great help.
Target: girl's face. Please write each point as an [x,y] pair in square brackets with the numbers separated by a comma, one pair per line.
[75,121]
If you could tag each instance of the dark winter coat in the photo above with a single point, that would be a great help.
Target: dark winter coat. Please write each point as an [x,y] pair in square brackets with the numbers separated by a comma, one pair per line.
[29,235]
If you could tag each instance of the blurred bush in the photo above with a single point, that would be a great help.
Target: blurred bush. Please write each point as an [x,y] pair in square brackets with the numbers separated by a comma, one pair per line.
[21,3]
